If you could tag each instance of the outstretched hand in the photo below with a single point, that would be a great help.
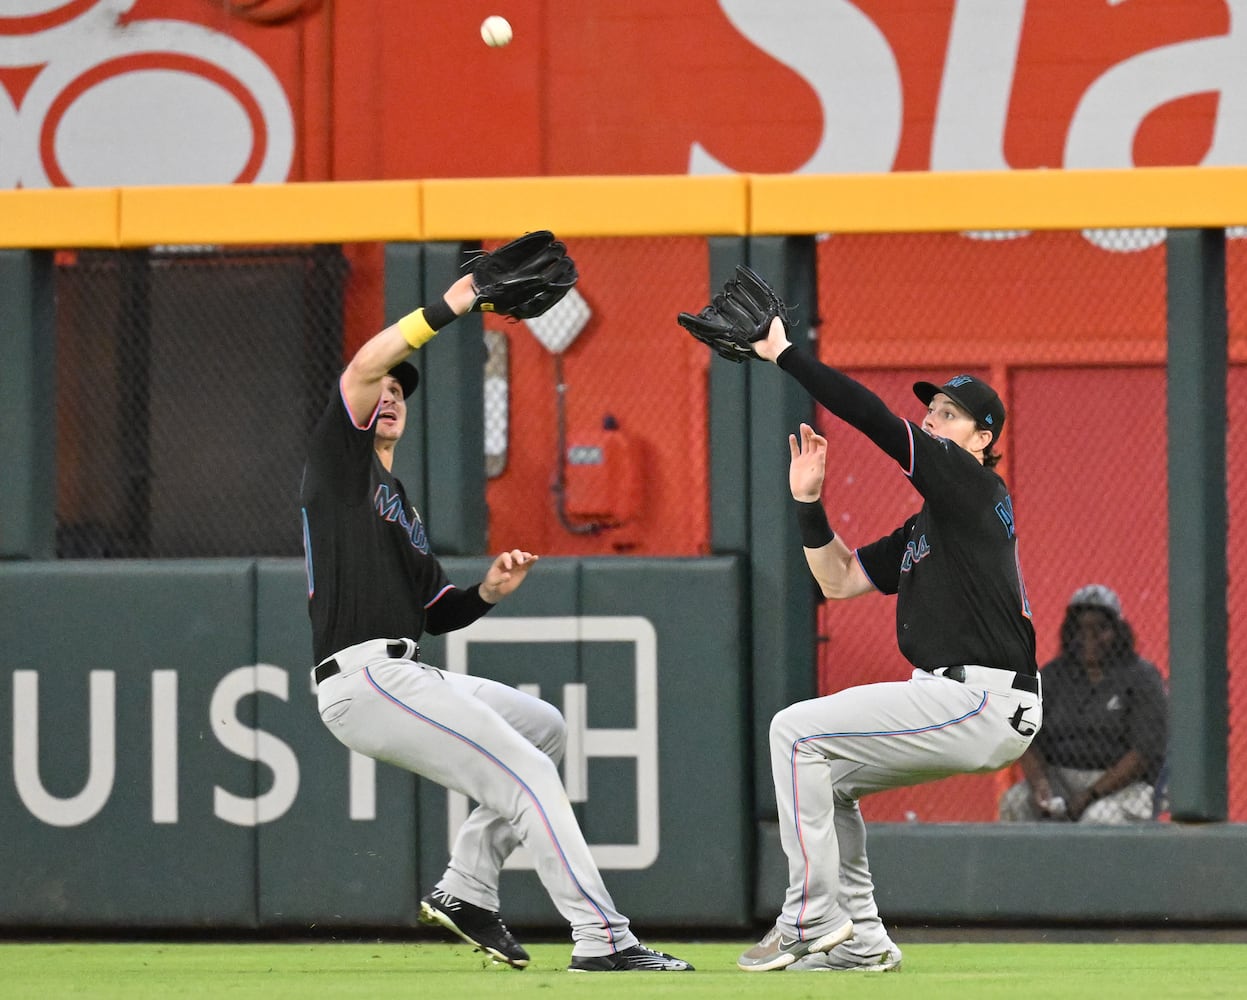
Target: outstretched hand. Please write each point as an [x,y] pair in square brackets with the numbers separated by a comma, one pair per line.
[809,462]
[461,294]
[506,573]
[776,340]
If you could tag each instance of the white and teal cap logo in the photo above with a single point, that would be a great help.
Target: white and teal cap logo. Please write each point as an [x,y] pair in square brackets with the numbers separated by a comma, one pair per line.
[973,395]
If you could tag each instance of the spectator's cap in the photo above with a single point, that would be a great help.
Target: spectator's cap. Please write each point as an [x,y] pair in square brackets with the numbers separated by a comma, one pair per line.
[973,395]
[408,377]
[1097,595]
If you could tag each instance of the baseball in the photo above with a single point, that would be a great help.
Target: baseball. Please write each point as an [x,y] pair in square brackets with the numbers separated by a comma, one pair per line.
[496,31]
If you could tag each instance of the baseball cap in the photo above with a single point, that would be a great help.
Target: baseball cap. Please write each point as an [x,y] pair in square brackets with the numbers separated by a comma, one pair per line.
[973,395]
[1097,595]
[408,377]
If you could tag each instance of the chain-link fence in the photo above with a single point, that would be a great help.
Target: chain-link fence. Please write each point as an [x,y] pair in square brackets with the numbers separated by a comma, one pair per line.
[187,383]
[596,413]
[1236,476]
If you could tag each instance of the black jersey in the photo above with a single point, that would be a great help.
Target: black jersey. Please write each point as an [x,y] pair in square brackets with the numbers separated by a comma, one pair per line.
[954,565]
[370,574]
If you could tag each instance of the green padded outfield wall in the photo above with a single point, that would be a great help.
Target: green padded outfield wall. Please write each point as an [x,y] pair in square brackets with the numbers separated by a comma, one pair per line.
[214,799]
[124,683]
[343,850]
[1163,875]
[169,769]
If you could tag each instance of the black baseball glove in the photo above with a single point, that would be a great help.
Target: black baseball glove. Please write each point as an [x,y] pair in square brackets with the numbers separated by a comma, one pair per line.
[738,316]
[523,278]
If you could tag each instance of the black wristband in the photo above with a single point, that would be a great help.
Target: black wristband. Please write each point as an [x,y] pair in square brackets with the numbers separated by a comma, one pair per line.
[812,523]
[438,314]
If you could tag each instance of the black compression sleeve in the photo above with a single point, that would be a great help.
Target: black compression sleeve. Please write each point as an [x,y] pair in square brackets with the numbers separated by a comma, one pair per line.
[851,401]
[455,609]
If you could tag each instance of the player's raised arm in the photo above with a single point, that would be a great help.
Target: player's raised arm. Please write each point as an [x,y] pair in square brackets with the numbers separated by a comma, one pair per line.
[748,320]
[844,397]
[838,573]
[521,279]
[361,382]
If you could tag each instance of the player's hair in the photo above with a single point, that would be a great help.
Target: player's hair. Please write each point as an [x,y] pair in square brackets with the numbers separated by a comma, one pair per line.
[990,458]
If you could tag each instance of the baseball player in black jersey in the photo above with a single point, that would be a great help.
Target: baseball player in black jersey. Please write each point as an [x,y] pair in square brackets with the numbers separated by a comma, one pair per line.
[374,588]
[962,619]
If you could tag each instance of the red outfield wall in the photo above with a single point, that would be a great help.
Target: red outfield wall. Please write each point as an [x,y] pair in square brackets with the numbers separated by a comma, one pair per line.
[375,89]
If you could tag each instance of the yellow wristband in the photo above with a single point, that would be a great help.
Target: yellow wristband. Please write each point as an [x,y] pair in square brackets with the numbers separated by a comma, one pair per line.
[415,329]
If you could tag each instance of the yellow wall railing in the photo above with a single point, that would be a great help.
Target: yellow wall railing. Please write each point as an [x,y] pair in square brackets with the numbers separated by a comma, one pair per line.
[724,205]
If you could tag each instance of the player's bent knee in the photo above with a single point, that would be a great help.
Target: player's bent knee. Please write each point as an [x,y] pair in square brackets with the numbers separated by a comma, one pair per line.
[551,733]
[784,726]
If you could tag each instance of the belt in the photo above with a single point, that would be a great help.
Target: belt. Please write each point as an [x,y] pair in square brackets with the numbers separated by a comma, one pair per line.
[964,674]
[395,649]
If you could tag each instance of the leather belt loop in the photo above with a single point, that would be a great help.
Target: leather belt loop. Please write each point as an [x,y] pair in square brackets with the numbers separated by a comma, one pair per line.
[1024,682]
[325,670]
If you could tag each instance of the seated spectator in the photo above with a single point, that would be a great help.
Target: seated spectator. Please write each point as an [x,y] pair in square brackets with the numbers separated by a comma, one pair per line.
[1099,753]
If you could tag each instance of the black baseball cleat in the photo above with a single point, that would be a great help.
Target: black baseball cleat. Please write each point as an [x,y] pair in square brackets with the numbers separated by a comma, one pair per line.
[477,926]
[638,958]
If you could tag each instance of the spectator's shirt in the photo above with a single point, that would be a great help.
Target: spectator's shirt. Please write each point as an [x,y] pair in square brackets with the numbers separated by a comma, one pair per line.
[1091,727]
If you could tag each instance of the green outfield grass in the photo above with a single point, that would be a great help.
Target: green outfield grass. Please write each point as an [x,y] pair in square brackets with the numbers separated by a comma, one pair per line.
[435,971]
